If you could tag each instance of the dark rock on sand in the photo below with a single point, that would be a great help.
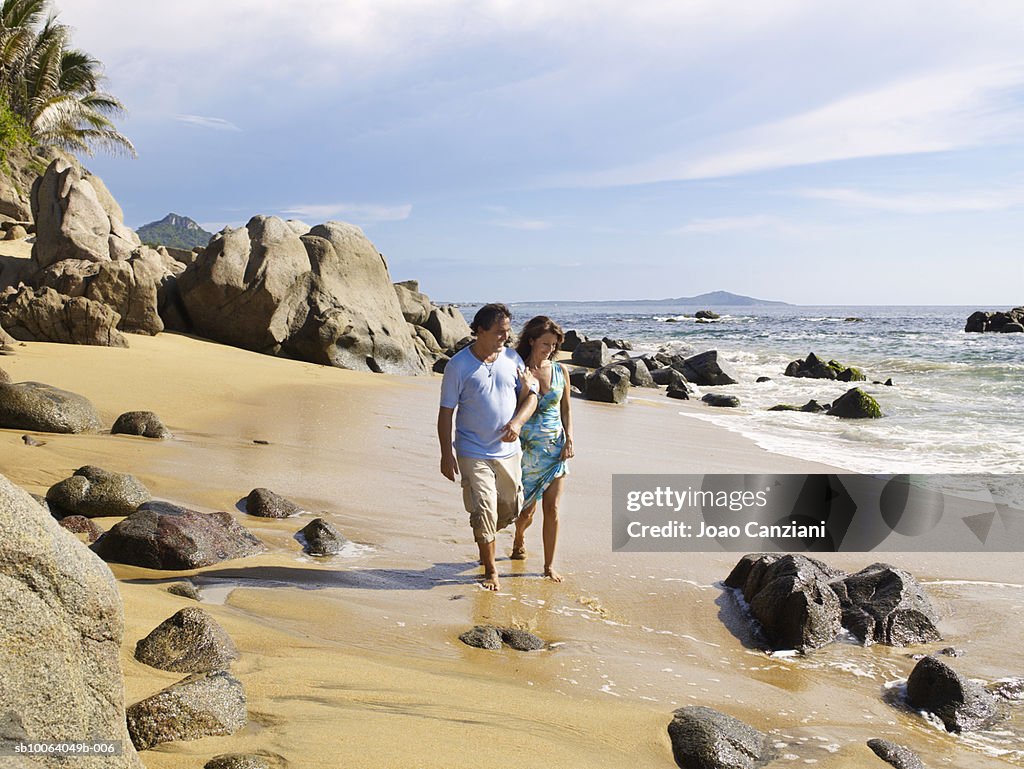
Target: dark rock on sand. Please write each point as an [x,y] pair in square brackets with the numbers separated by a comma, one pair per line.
[79,524]
[185,590]
[320,537]
[237,761]
[482,637]
[855,404]
[521,640]
[160,535]
[204,704]
[703,370]
[266,504]
[61,625]
[45,409]
[608,385]
[639,374]
[44,315]
[144,423]
[30,441]
[883,604]
[617,344]
[491,638]
[572,340]
[897,755]
[703,738]
[679,391]
[961,704]
[593,354]
[790,597]
[722,401]
[578,379]
[668,376]
[190,641]
[94,492]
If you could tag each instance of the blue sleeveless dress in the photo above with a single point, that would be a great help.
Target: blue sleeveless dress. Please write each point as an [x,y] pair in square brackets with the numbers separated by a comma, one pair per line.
[543,439]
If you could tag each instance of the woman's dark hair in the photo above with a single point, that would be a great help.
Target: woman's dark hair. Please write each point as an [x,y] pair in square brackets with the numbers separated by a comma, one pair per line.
[534,329]
[488,315]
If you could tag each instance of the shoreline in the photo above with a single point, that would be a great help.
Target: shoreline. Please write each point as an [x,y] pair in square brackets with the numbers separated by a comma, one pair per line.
[355,659]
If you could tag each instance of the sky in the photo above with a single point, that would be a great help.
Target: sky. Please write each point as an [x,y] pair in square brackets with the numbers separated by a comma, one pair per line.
[815,153]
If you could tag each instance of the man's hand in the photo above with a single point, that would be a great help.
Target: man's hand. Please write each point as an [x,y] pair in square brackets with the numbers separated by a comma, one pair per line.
[449,467]
[510,432]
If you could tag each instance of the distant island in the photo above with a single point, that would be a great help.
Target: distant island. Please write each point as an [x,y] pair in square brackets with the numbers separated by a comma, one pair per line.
[710,299]
[174,231]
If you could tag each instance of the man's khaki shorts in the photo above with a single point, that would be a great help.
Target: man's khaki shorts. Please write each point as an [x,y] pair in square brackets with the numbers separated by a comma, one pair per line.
[492,491]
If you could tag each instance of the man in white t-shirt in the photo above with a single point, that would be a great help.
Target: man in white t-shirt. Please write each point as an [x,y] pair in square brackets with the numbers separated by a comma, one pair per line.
[491,394]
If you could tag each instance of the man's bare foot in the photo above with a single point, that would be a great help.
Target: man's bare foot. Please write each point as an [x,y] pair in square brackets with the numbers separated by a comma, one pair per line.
[490,582]
[518,551]
[551,574]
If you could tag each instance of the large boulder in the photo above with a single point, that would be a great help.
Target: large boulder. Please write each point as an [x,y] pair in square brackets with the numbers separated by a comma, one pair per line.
[204,704]
[76,218]
[639,374]
[883,604]
[190,641]
[94,492]
[703,738]
[415,305]
[855,404]
[790,597]
[961,704]
[447,325]
[42,408]
[160,535]
[995,321]
[703,370]
[44,315]
[608,385]
[592,354]
[61,625]
[323,297]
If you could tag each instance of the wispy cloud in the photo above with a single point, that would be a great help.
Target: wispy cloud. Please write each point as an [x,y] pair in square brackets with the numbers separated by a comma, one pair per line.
[940,111]
[512,221]
[763,222]
[922,203]
[363,213]
[216,123]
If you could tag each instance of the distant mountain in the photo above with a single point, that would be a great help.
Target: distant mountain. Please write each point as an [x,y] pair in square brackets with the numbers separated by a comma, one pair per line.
[711,299]
[174,231]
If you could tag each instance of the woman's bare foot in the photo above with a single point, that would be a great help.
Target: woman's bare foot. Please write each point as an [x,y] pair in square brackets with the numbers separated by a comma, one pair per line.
[490,582]
[551,574]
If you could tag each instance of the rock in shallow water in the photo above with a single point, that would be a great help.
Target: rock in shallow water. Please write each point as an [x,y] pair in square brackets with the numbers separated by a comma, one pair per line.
[963,705]
[319,537]
[703,738]
[266,504]
[899,756]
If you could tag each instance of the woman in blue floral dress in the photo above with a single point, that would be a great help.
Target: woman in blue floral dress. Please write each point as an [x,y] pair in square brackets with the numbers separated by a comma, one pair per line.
[546,438]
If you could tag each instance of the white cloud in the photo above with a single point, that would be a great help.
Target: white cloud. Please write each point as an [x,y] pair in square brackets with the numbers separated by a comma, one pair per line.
[364,213]
[922,203]
[216,123]
[940,111]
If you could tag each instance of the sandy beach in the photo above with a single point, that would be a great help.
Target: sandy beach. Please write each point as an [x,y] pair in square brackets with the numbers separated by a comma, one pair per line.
[355,661]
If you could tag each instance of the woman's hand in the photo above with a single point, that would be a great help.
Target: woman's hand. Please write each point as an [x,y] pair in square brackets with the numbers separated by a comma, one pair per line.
[528,380]
[567,449]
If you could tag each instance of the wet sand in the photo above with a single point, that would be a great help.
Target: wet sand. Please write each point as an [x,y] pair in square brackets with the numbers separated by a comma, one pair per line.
[355,660]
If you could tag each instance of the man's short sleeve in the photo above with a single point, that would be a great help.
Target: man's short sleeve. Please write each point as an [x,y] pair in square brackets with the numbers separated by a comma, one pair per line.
[451,386]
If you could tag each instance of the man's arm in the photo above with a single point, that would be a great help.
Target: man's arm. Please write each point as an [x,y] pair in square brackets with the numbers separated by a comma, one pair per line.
[449,467]
[527,405]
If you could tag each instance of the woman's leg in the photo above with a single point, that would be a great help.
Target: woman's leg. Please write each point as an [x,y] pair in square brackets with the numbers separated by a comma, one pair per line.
[522,524]
[552,496]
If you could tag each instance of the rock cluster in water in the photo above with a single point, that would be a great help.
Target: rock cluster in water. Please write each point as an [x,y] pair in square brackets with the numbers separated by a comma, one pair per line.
[1009,322]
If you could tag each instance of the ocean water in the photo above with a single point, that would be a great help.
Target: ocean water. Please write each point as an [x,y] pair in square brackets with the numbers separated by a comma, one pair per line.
[955,406]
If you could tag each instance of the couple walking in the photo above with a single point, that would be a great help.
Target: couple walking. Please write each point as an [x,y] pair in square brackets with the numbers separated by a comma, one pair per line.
[501,399]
